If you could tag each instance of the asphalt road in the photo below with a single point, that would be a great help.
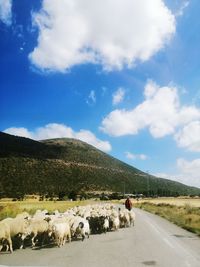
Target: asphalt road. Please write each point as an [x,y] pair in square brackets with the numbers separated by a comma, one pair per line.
[153,241]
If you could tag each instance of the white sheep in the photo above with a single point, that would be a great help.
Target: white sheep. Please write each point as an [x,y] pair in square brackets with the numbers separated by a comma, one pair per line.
[37,227]
[63,226]
[18,227]
[5,237]
[132,217]
[124,218]
[106,225]
[114,220]
[61,231]
[80,227]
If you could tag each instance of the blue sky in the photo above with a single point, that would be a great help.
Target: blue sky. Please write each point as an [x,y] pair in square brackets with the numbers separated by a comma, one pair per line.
[122,75]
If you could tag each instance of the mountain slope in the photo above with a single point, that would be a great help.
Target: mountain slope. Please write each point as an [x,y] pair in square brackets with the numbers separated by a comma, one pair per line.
[64,165]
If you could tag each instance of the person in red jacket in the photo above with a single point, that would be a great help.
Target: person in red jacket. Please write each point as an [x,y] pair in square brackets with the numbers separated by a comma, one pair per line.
[128,204]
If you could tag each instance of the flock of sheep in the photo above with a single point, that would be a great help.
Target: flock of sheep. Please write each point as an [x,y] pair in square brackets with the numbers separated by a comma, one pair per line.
[76,223]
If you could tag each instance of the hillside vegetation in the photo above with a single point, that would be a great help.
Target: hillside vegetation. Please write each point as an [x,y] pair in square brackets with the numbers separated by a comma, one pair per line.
[62,166]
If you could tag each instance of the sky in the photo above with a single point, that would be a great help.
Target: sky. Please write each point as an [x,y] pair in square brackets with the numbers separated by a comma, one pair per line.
[121,75]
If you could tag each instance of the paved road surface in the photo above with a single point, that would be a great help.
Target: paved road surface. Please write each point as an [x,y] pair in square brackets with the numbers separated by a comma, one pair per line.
[152,242]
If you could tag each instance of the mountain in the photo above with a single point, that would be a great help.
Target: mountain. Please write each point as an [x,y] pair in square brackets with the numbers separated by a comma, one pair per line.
[61,166]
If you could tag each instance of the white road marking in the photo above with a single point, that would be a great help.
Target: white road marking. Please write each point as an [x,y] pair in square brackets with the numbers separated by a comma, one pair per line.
[191,259]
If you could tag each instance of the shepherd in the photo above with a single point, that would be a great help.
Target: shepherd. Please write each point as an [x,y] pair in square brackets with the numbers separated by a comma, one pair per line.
[128,203]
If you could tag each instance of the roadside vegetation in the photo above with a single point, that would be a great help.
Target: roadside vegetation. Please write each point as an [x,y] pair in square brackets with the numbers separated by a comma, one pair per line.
[177,201]
[186,216]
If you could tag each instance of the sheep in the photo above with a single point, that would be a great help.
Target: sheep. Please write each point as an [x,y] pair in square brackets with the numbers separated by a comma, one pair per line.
[99,224]
[80,227]
[124,218]
[75,222]
[18,228]
[132,217]
[61,231]
[40,214]
[5,236]
[106,225]
[24,215]
[38,227]
[115,223]
[114,220]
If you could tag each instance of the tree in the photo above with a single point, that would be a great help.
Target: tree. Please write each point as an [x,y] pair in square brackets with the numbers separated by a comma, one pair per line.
[61,195]
[72,195]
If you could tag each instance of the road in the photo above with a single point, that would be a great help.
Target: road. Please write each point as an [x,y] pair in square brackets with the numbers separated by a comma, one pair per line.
[153,241]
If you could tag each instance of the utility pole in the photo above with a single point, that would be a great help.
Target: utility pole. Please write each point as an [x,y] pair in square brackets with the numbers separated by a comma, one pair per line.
[147,183]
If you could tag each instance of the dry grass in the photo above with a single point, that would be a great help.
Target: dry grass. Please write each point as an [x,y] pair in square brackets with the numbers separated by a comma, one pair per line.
[11,209]
[181,201]
[185,214]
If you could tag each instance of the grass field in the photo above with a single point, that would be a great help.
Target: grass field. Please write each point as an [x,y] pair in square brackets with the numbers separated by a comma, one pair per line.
[194,202]
[182,212]
[11,209]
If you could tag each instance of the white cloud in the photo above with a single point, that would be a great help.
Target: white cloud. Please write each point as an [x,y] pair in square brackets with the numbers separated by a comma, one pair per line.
[129,155]
[160,112]
[91,98]
[132,156]
[20,131]
[162,175]
[118,96]
[189,136]
[189,167]
[188,172]
[55,130]
[181,9]
[6,11]
[52,130]
[142,157]
[90,138]
[196,98]
[150,89]
[113,33]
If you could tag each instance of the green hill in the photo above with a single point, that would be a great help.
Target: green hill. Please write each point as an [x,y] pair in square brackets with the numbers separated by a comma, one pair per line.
[62,166]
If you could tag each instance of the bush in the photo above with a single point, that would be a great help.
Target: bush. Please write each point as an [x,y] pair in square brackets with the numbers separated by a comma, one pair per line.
[72,195]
